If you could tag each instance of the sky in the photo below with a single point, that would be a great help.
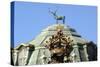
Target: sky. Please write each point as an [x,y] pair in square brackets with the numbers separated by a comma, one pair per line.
[31,18]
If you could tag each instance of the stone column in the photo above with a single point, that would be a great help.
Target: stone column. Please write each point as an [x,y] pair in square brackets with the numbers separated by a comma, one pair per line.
[76,51]
[85,52]
[15,57]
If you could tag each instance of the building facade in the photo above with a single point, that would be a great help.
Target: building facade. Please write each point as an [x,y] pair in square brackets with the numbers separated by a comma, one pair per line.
[57,43]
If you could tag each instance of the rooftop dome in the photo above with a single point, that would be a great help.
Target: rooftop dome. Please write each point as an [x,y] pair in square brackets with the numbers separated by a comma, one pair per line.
[52,30]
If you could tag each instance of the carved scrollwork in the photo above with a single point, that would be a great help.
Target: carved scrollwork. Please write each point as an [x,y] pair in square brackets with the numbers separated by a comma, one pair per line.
[59,46]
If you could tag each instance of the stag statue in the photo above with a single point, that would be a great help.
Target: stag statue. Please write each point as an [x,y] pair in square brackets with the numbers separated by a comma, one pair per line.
[57,17]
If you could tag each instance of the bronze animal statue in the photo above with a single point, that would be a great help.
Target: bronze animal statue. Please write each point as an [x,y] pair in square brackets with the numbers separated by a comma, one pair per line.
[57,17]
